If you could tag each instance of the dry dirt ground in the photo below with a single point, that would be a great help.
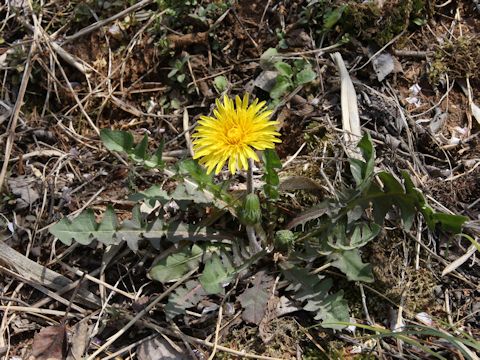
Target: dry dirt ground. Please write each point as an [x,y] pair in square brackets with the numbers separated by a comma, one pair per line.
[71,68]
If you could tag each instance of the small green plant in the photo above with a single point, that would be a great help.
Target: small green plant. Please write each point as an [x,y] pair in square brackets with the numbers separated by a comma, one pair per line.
[177,73]
[282,41]
[341,225]
[289,76]
[321,16]
[176,8]
[333,232]
[221,84]
[203,14]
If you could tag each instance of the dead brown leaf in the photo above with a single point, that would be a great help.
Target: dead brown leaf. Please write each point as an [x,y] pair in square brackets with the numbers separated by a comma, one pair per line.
[160,348]
[50,343]
[79,340]
[24,188]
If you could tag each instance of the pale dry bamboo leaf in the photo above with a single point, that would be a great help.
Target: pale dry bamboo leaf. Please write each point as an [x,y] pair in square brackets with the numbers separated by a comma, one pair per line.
[349,98]
[475,111]
[350,116]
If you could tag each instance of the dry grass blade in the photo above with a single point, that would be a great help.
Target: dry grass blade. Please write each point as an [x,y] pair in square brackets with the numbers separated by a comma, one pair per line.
[460,261]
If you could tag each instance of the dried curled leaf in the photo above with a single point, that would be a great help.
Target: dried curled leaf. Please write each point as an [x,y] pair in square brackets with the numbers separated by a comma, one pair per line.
[254,300]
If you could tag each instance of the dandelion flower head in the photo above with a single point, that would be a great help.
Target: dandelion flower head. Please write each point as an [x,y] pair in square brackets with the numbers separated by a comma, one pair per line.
[233,133]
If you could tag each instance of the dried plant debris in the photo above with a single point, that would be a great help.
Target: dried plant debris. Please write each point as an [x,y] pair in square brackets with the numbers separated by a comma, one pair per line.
[456,58]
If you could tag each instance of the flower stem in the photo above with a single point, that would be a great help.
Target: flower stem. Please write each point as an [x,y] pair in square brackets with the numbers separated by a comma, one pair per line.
[255,247]
[250,189]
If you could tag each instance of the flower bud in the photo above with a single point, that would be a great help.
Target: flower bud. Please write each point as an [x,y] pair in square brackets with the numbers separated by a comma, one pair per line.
[284,240]
[250,212]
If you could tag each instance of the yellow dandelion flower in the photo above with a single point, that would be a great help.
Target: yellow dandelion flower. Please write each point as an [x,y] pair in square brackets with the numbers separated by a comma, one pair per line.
[234,133]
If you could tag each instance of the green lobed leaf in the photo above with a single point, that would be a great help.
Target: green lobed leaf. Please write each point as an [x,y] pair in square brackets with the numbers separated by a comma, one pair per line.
[407,211]
[216,274]
[122,141]
[116,140]
[448,222]
[350,263]
[271,162]
[176,265]
[305,76]
[269,58]
[330,18]
[390,183]
[139,154]
[153,192]
[305,285]
[176,231]
[368,152]
[106,229]
[188,193]
[81,228]
[131,230]
[284,69]
[184,194]
[357,169]
[363,171]
[196,172]
[315,291]
[156,160]
[355,214]
[282,85]
[84,229]
[332,310]
[381,204]
[363,233]
[184,297]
